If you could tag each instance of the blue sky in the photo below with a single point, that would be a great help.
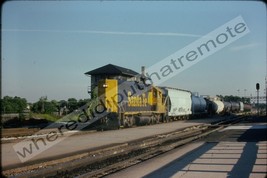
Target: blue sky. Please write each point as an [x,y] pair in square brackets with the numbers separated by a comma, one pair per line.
[47,46]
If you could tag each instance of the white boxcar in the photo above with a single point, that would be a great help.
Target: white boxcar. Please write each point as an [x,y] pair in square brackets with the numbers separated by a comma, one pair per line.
[179,102]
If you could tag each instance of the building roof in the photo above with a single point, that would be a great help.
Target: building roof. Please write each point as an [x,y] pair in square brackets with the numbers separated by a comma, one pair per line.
[111,69]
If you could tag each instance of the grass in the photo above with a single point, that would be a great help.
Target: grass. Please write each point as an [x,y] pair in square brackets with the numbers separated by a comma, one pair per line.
[48,117]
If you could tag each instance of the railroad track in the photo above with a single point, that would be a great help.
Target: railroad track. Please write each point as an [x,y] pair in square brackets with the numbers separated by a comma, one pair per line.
[15,134]
[110,159]
[18,132]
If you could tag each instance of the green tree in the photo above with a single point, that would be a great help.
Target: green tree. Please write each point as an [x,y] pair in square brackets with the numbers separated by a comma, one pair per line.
[63,103]
[83,102]
[234,98]
[13,105]
[50,107]
[72,104]
[44,106]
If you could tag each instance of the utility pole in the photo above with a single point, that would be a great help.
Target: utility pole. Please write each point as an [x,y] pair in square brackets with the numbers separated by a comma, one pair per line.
[258,88]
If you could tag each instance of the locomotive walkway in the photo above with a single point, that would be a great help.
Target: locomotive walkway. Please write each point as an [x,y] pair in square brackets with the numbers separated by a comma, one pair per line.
[92,141]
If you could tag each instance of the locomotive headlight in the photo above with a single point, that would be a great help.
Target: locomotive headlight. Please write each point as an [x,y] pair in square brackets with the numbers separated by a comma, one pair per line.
[105,85]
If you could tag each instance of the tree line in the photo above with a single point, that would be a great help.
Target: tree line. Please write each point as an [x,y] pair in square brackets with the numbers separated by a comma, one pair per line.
[43,105]
[234,98]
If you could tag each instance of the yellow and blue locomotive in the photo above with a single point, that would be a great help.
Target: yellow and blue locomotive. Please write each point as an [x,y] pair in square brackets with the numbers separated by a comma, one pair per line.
[130,103]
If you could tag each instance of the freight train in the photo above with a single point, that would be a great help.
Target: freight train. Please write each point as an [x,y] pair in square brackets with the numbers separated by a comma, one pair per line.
[129,103]
[217,106]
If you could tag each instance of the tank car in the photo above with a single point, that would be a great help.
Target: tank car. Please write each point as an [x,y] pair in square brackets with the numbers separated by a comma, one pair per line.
[244,107]
[214,105]
[235,107]
[227,107]
[247,107]
[199,105]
